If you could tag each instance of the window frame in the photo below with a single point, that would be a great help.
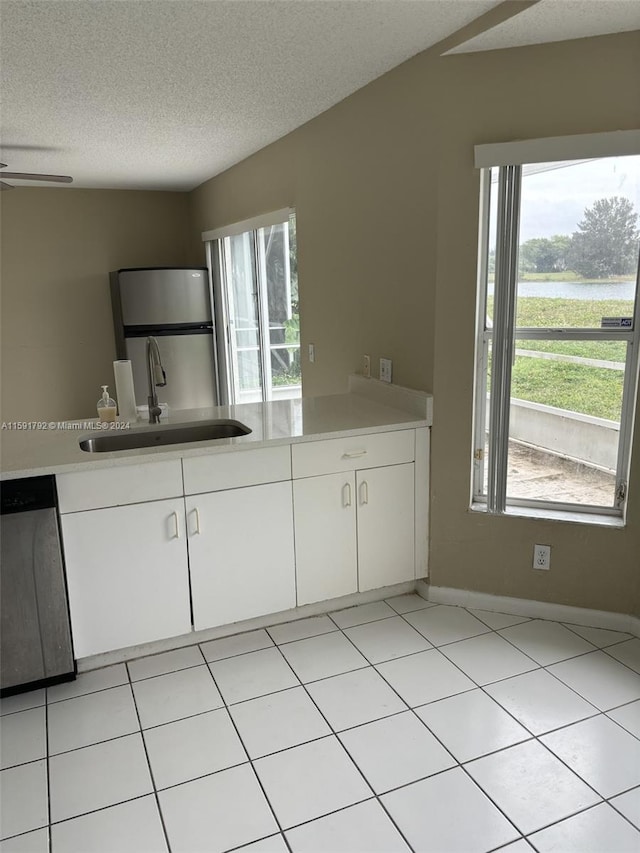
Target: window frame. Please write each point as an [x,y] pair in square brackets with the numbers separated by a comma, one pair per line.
[219,262]
[502,338]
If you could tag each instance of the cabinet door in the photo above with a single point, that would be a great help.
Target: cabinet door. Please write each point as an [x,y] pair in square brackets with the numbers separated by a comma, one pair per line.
[241,553]
[386,526]
[325,525]
[127,575]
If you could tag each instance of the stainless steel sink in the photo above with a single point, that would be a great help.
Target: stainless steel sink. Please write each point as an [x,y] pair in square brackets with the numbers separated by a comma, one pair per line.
[162,435]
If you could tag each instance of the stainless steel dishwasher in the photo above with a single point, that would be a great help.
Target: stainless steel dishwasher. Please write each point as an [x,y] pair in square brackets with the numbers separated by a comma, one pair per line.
[35,632]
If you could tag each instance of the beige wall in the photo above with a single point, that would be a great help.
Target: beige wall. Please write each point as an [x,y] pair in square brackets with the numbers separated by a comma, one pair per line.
[58,246]
[576,87]
[366,230]
[387,204]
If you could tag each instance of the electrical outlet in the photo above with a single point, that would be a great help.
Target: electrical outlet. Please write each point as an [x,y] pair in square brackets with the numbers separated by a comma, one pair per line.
[312,353]
[542,556]
[385,369]
[366,366]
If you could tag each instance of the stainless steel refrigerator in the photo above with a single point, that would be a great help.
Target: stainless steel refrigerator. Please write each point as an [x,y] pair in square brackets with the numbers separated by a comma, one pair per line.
[172,304]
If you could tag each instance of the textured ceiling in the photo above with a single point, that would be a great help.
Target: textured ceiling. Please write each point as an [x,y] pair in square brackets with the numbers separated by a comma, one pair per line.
[163,94]
[558,20]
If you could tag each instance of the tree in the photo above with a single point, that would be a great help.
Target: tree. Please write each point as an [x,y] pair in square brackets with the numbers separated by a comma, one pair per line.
[606,242]
[542,254]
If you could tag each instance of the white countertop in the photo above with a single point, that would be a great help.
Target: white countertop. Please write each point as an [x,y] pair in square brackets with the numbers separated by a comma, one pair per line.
[32,452]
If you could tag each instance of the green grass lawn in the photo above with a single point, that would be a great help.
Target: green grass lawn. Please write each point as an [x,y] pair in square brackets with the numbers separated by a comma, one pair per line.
[569,275]
[575,387]
[578,388]
[573,313]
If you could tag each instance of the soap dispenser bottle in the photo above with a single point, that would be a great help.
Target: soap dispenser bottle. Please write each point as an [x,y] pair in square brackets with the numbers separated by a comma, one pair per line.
[107,409]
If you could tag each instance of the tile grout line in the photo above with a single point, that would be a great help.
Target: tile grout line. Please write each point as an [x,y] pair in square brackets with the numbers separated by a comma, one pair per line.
[94,811]
[595,648]
[477,686]
[533,736]
[375,795]
[241,847]
[250,761]
[335,735]
[545,668]
[613,657]
[572,626]
[567,817]
[618,812]
[48,773]
[597,711]
[584,698]
[82,695]
[434,735]
[150,768]
[537,737]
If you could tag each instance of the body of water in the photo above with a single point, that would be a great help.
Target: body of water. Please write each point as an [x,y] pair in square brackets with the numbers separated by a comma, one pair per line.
[575,289]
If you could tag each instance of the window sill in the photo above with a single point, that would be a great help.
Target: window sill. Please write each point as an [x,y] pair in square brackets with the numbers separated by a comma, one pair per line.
[594,518]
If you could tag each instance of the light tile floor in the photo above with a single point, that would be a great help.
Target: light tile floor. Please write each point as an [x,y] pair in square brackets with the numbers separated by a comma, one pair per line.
[389,727]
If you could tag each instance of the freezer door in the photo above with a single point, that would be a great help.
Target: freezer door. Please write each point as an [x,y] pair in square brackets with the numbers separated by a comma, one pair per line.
[188,363]
[161,297]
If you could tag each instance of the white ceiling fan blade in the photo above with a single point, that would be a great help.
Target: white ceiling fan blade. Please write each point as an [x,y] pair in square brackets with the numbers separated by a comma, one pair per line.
[28,176]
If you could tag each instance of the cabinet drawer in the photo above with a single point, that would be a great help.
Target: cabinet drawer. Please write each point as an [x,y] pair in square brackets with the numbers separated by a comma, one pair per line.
[236,469]
[126,484]
[349,454]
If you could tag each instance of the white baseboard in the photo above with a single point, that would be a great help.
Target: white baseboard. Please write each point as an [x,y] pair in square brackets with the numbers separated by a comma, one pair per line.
[527,607]
[171,643]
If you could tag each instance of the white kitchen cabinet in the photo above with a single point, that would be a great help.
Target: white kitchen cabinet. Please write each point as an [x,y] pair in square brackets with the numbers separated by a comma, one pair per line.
[386,526]
[156,548]
[354,509]
[241,553]
[325,527]
[127,575]
[354,531]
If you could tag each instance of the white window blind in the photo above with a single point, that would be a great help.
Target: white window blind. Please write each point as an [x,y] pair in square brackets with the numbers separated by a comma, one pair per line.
[264,220]
[583,146]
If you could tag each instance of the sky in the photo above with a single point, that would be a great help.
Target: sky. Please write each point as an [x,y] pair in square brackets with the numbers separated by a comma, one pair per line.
[553,201]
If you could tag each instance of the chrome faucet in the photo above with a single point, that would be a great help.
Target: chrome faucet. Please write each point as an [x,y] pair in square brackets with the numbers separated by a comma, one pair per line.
[156,377]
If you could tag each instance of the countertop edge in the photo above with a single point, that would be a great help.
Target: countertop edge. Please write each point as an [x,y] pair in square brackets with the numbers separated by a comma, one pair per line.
[383,418]
[123,458]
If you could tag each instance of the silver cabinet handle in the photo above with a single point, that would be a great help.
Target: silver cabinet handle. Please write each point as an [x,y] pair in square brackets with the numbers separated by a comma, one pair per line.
[364,493]
[354,454]
[346,494]
[197,517]
[176,526]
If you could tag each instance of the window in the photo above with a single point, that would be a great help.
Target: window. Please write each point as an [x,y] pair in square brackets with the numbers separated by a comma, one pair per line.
[558,331]
[255,284]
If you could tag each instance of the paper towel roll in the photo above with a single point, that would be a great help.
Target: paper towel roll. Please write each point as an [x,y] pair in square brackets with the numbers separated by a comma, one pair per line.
[125,395]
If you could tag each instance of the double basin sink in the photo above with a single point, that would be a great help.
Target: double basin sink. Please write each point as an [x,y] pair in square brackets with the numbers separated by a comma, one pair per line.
[161,436]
